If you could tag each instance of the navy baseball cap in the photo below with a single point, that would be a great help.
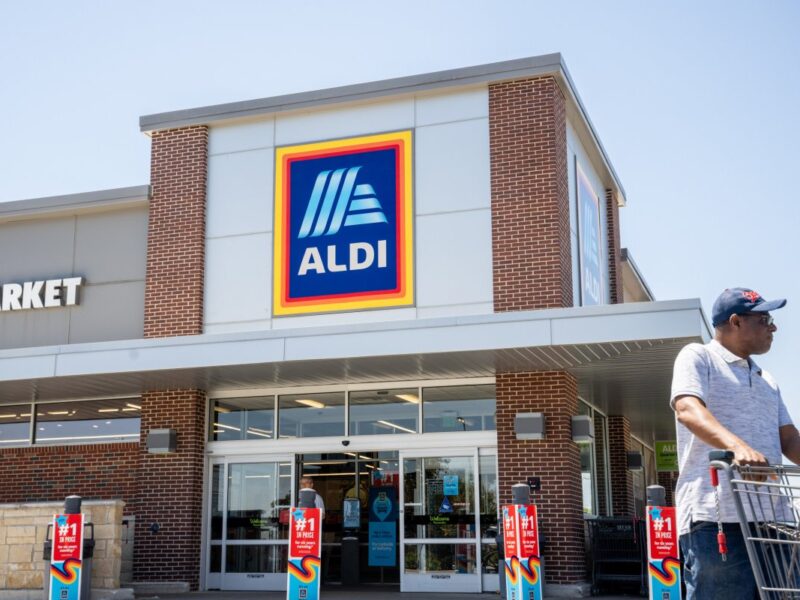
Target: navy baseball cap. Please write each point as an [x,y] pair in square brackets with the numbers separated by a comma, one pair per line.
[738,301]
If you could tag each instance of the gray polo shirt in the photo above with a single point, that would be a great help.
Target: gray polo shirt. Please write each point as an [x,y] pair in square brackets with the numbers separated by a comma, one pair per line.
[745,400]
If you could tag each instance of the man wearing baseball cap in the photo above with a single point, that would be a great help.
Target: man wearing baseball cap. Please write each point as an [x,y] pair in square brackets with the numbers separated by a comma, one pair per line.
[723,399]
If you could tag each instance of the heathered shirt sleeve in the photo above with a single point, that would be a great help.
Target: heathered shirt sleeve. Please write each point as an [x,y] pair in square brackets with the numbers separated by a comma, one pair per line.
[690,374]
[783,415]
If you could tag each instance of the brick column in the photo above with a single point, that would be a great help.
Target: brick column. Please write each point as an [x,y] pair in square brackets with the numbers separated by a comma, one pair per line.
[614,249]
[602,463]
[171,490]
[170,486]
[619,444]
[668,481]
[531,251]
[173,301]
[556,459]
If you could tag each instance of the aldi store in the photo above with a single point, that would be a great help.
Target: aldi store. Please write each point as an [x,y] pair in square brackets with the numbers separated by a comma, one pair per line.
[411,290]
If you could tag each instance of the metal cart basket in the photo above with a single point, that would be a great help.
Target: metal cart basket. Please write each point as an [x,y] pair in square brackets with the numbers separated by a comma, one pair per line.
[767,501]
[617,552]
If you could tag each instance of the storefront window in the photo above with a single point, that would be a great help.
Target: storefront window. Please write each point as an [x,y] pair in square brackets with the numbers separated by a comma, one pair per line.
[15,425]
[384,411]
[311,415]
[459,408]
[242,419]
[107,420]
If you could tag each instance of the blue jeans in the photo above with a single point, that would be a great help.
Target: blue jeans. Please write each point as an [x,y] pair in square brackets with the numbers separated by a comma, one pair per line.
[706,576]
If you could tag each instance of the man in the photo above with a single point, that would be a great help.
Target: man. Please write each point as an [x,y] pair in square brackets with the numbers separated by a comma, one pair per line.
[723,399]
[307,483]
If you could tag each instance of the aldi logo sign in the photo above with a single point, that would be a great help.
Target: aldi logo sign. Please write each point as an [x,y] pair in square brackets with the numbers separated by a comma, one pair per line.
[343,225]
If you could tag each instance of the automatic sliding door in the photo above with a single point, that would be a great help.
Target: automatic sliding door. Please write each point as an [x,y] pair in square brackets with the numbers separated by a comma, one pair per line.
[441,548]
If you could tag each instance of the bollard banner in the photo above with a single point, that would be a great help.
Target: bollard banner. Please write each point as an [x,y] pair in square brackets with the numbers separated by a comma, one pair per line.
[66,559]
[663,564]
[521,545]
[305,554]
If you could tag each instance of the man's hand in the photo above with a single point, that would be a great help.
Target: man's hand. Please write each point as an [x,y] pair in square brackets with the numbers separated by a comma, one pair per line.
[744,455]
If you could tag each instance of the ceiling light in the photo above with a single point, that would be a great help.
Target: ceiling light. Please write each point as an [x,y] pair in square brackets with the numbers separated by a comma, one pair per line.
[231,427]
[136,406]
[261,432]
[8,416]
[395,426]
[107,410]
[413,398]
[311,403]
[57,412]
[129,409]
[221,409]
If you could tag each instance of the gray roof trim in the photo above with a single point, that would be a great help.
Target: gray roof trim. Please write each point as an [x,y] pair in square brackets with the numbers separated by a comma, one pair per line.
[488,73]
[73,203]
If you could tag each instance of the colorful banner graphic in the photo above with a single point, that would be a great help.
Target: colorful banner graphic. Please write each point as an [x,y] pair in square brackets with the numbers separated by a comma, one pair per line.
[663,565]
[591,251]
[383,512]
[344,225]
[667,456]
[305,552]
[521,547]
[66,559]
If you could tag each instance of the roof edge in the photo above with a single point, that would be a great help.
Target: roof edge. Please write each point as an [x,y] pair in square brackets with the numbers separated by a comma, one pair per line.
[81,202]
[510,69]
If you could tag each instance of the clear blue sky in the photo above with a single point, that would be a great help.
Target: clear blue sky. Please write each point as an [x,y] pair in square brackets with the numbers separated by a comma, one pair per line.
[696,104]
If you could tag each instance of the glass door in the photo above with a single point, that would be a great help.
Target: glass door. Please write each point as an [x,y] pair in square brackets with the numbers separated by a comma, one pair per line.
[439,522]
[249,525]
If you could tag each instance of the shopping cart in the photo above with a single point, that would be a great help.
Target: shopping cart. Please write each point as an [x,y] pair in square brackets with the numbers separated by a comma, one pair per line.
[767,501]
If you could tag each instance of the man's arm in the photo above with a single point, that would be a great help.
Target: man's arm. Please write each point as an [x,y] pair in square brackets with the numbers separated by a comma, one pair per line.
[693,414]
[790,443]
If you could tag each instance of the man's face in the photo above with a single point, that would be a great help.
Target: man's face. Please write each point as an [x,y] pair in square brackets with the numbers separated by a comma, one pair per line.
[755,331]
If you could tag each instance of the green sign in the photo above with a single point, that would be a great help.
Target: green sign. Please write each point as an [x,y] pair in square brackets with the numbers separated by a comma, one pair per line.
[667,456]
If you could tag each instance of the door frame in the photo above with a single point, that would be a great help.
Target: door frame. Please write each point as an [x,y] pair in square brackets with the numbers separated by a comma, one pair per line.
[466,583]
[240,581]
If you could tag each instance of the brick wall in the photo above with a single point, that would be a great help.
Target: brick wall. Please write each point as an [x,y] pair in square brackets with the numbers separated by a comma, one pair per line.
[51,473]
[170,490]
[176,233]
[556,459]
[614,249]
[532,266]
[619,444]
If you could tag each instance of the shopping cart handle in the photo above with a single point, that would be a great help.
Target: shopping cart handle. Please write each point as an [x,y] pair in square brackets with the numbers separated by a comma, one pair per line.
[725,456]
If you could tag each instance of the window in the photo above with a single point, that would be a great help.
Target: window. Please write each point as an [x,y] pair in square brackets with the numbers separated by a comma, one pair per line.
[384,411]
[106,420]
[459,408]
[311,415]
[15,425]
[242,419]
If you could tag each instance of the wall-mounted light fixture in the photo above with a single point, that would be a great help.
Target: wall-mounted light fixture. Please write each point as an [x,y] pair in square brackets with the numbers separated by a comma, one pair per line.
[162,441]
[529,426]
[635,461]
[582,429]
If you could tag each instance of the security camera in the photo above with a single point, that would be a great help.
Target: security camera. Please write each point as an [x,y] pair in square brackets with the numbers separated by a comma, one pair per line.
[345,443]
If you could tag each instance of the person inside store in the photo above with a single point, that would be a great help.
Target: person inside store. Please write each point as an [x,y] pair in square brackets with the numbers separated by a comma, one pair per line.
[307,483]
[723,400]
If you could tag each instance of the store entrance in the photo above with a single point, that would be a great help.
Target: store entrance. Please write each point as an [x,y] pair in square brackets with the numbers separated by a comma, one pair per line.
[360,531]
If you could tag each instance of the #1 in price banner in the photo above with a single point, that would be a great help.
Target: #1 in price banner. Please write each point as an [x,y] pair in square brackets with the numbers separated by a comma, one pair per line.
[305,551]
[66,559]
[663,564]
[521,546]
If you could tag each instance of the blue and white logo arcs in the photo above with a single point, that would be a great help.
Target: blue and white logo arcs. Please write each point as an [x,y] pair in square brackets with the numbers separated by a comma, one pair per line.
[338,201]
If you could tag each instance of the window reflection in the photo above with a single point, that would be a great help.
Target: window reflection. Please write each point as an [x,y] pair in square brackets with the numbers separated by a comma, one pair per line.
[384,411]
[459,408]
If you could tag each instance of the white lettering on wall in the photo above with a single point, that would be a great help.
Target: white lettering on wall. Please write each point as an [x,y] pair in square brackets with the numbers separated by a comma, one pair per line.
[46,293]
[361,256]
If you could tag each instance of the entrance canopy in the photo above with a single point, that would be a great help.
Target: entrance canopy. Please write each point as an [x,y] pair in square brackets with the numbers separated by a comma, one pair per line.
[621,354]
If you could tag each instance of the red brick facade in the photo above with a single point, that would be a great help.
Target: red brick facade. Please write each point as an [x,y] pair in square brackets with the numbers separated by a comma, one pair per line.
[614,249]
[601,460]
[170,490]
[619,444]
[530,195]
[556,459]
[173,303]
[51,473]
